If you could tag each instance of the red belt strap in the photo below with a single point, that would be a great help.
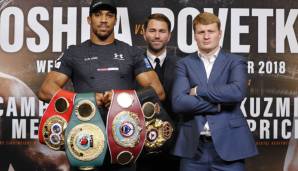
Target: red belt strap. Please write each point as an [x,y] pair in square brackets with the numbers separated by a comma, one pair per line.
[125,127]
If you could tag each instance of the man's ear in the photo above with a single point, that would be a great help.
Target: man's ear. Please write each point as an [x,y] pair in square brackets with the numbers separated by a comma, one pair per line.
[115,20]
[170,34]
[89,20]
[144,36]
[195,37]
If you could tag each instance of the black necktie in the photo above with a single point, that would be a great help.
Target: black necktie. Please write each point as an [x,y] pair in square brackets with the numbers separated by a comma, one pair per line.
[158,69]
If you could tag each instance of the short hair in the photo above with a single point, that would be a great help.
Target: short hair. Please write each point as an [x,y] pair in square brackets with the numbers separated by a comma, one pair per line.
[159,17]
[206,18]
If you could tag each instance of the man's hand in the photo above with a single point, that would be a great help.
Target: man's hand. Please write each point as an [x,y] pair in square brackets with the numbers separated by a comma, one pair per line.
[99,99]
[193,91]
[107,97]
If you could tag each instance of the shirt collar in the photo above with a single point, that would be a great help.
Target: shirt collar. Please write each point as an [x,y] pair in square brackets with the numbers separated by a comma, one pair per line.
[213,56]
[161,57]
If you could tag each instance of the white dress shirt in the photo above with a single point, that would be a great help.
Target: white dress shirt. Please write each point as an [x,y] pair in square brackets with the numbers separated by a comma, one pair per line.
[152,57]
[208,64]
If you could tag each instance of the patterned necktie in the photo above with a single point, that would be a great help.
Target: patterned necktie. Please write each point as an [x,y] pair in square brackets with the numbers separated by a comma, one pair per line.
[158,68]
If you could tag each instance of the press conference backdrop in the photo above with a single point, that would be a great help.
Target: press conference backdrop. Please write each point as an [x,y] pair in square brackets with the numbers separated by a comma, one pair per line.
[34,33]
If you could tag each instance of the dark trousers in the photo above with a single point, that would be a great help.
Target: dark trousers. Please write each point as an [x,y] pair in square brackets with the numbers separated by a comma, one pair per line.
[207,159]
[158,162]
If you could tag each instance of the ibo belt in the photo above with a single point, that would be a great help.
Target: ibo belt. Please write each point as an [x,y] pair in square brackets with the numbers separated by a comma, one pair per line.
[55,119]
[86,140]
[125,127]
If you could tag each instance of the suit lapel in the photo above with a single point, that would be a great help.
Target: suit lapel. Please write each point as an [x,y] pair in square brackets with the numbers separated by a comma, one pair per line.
[165,68]
[168,68]
[199,68]
[218,66]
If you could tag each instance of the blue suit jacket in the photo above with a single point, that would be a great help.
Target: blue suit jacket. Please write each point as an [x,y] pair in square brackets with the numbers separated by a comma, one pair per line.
[227,85]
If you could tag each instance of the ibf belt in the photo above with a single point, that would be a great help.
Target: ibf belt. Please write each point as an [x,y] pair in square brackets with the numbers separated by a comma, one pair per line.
[125,127]
[86,140]
[55,119]
[159,126]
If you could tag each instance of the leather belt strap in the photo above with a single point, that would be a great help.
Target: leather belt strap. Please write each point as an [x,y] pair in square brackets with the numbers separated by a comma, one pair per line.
[125,127]
[86,140]
[55,119]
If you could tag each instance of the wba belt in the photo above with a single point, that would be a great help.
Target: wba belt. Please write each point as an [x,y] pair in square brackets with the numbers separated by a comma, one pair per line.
[159,125]
[86,140]
[55,119]
[125,127]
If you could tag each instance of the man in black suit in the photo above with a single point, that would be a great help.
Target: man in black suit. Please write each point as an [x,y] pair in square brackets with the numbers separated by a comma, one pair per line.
[157,34]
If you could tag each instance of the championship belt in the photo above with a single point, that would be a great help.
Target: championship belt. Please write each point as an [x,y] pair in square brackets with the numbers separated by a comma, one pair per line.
[159,126]
[125,127]
[55,119]
[86,140]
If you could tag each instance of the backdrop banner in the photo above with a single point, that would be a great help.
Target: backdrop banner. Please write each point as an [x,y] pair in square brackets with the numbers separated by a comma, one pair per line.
[34,34]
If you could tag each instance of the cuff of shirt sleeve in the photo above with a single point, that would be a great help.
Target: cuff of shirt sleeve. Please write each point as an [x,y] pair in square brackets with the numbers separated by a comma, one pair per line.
[196,88]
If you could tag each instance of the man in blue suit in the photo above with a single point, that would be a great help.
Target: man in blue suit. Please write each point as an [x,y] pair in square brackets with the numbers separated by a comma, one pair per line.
[209,87]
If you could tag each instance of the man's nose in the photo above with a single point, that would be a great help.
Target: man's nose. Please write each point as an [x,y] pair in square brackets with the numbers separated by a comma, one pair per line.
[157,35]
[103,18]
[206,35]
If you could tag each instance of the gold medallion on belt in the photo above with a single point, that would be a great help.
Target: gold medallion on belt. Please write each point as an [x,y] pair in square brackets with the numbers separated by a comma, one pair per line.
[53,132]
[158,132]
[86,141]
[126,129]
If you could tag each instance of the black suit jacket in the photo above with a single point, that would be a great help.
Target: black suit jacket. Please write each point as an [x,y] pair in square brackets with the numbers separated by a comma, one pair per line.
[168,71]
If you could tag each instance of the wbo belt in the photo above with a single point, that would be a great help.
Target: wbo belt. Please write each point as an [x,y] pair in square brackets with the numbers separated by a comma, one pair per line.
[55,120]
[125,127]
[159,125]
[86,140]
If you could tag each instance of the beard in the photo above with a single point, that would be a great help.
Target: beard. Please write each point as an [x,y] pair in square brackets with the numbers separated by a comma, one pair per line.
[156,49]
[103,36]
